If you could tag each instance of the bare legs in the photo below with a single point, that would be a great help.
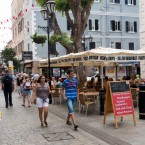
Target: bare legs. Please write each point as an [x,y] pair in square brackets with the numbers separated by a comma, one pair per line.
[41,111]
[29,100]
[72,116]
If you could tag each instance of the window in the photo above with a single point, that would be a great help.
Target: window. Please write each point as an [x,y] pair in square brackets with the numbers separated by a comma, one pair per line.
[118,45]
[131,46]
[97,0]
[93,25]
[115,1]
[112,44]
[92,45]
[115,25]
[98,44]
[131,26]
[130,2]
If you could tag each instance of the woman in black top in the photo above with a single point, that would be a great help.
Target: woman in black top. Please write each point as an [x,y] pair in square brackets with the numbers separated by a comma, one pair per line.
[19,83]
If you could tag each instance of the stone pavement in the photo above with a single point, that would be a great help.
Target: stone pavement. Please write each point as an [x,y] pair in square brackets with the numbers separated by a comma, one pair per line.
[21,126]
[126,134]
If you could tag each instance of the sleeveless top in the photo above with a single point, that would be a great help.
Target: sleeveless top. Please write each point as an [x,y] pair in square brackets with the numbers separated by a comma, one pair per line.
[42,91]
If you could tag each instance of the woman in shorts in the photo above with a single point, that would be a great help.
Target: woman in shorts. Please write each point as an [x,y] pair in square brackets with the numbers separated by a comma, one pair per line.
[41,92]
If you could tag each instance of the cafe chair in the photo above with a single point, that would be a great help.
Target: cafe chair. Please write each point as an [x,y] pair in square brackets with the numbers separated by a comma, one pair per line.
[56,94]
[91,90]
[85,103]
[134,96]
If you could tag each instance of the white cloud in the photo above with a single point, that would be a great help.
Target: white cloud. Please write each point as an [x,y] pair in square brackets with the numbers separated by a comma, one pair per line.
[5,13]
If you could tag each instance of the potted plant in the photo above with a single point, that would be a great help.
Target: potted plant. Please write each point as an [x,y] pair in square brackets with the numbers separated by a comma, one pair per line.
[39,39]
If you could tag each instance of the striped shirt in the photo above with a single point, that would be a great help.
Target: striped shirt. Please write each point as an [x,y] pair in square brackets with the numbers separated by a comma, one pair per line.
[70,88]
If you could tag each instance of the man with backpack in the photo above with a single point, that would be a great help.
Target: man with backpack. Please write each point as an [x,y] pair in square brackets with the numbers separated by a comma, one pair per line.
[7,87]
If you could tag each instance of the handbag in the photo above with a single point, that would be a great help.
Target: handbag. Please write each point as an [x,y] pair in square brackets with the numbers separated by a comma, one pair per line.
[50,99]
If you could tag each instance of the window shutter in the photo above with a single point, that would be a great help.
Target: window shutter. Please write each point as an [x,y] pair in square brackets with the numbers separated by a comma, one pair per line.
[90,24]
[92,45]
[96,24]
[127,25]
[68,27]
[126,2]
[118,45]
[131,46]
[135,26]
[134,2]
[113,25]
[119,28]
[117,1]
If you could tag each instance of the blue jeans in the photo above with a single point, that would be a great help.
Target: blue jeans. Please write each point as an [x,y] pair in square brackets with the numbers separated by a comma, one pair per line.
[70,104]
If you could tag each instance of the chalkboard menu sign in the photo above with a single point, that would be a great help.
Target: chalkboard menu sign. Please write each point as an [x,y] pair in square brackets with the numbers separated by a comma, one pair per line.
[119,100]
[119,86]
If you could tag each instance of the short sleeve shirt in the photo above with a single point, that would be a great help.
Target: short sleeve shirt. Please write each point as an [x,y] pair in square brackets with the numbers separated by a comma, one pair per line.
[70,88]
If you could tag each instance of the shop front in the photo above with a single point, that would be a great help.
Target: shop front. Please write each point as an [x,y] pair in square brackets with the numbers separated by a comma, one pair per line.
[57,71]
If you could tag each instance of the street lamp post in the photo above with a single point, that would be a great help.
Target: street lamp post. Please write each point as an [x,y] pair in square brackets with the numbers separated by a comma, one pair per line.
[46,11]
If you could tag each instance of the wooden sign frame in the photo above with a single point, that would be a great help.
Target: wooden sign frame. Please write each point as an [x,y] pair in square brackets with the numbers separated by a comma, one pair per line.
[109,107]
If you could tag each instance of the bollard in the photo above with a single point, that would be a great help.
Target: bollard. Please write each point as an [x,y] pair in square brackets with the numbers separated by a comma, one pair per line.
[141,101]
[102,101]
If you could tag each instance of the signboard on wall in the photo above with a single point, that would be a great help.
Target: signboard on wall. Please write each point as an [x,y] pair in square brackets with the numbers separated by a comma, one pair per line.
[27,55]
[56,72]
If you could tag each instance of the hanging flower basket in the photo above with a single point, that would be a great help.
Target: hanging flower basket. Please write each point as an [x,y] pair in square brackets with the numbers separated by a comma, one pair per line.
[39,39]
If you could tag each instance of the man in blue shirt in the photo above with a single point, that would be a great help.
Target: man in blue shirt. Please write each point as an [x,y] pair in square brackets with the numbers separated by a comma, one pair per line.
[70,95]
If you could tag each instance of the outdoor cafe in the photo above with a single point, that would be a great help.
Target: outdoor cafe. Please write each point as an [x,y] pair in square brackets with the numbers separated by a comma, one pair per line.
[97,57]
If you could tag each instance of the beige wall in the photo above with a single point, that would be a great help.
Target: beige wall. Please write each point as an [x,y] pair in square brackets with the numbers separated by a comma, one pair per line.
[9,44]
[18,28]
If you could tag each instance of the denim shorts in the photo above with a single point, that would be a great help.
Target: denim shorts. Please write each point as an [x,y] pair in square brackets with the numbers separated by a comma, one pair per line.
[70,104]
[26,93]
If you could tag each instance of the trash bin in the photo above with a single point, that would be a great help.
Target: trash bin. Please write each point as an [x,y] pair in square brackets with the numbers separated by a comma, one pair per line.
[141,101]
[102,100]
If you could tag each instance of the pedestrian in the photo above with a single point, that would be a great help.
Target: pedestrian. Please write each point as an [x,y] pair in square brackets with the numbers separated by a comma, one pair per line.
[53,83]
[8,88]
[19,84]
[41,91]
[26,90]
[70,95]
[59,83]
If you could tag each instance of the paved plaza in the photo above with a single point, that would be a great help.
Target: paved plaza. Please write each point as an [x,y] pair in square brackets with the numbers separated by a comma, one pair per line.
[20,126]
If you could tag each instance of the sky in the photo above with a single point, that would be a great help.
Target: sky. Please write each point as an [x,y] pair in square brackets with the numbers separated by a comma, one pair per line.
[5,13]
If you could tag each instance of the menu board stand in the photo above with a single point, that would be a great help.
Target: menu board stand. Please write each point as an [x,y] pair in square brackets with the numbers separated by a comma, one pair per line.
[119,101]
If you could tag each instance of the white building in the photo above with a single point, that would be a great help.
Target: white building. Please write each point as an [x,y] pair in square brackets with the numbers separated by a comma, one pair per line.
[142,33]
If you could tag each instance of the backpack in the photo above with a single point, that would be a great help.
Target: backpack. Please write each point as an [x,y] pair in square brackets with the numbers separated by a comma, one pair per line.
[7,80]
[27,86]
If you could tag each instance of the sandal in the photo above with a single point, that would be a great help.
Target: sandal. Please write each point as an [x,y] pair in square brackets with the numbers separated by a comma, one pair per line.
[76,126]
[46,124]
[23,105]
[68,123]
[41,124]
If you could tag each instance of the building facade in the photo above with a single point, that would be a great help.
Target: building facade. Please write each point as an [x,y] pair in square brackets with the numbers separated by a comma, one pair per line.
[142,33]
[33,20]
[115,24]
[17,27]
